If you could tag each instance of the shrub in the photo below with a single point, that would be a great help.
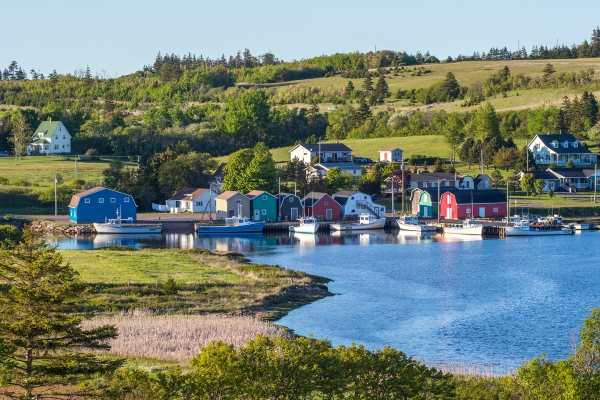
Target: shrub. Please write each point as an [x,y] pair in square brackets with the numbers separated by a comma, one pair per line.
[4,181]
[10,232]
[170,287]
[20,182]
[92,154]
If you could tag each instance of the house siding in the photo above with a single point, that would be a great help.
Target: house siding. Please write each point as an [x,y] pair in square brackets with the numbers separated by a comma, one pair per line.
[451,210]
[285,207]
[319,209]
[94,211]
[229,207]
[267,209]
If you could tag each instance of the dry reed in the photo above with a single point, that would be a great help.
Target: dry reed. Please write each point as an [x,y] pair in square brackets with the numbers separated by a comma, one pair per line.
[179,337]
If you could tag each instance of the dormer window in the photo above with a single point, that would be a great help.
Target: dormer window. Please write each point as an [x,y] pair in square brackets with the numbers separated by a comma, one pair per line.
[575,143]
[566,144]
[555,144]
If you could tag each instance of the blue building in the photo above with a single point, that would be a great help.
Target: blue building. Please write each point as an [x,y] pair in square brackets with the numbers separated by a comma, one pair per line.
[99,204]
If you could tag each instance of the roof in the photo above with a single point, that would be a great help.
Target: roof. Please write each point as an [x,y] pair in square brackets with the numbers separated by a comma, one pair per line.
[47,128]
[226,195]
[432,176]
[284,195]
[76,197]
[219,170]
[572,172]
[389,149]
[481,177]
[561,139]
[188,194]
[546,175]
[255,193]
[342,196]
[433,192]
[324,147]
[479,196]
[313,197]
[340,165]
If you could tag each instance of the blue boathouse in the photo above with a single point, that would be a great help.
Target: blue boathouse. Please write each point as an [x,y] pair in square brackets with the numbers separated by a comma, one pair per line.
[99,204]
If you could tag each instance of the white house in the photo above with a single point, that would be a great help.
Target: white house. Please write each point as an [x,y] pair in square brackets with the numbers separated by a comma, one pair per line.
[355,203]
[192,200]
[330,152]
[321,169]
[430,180]
[50,138]
[390,155]
[560,149]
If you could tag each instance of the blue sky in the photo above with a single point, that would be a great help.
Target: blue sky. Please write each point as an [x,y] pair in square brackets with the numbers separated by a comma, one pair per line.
[119,37]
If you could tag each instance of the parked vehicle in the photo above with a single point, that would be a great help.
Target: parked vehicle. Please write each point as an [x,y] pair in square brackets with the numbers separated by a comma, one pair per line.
[3,153]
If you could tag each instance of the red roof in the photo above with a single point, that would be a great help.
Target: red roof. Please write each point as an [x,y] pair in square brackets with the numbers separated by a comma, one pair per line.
[75,199]
[188,194]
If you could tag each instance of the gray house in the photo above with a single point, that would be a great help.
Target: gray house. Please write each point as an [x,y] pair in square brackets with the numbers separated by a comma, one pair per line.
[289,207]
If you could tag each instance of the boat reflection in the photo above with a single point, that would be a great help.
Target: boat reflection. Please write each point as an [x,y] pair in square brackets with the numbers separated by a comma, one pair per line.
[460,238]
[415,237]
[129,240]
[240,242]
[359,237]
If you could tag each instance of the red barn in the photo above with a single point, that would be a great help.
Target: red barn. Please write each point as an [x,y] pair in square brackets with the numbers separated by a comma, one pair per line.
[321,206]
[460,204]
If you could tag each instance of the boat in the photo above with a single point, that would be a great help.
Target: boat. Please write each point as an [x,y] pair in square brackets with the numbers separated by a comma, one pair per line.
[234,225]
[583,227]
[307,225]
[365,221]
[527,228]
[125,226]
[411,223]
[470,226]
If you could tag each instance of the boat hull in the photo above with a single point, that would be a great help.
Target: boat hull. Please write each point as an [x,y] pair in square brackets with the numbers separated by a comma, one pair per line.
[254,227]
[127,229]
[472,230]
[312,228]
[380,224]
[416,228]
[512,231]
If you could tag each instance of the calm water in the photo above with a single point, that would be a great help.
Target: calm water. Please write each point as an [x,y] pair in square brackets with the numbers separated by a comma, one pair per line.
[485,301]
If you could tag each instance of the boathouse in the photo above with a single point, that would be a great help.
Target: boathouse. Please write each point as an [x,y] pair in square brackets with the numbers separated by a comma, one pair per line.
[232,204]
[289,207]
[99,204]
[458,204]
[353,203]
[321,206]
[425,201]
[263,204]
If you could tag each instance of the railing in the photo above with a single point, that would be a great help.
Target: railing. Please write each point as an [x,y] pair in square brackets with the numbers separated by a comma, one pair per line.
[367,206]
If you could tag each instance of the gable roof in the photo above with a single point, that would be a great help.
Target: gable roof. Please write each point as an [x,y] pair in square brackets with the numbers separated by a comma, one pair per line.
[219,171]
[389,149]
[324,147]
[340,165]
[76,197]
[545,175]
[255,193]
[226,195]
[343,195]
[433,192]
[479,196]
[572,172]
[432,176]
[561,139]
[47,128]
[313,197]
[188,194]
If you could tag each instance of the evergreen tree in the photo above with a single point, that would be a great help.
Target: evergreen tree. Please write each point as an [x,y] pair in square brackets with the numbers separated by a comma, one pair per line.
[382,89]
[451,86]
[367,85]
[363,112]
[466,152]
[44,337]
[548,71]
[349,89]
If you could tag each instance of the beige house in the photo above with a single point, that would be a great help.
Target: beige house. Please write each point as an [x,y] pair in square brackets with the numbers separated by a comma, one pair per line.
[232,203]
[390,155]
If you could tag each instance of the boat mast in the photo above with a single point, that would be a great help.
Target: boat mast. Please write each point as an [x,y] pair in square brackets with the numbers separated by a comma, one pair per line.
[507,203]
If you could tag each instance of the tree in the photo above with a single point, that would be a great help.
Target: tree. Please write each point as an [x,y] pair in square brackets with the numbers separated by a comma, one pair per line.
[170,287]
[247,116]
[486,123]
[382,90]
[363,112]
[454,134]
[187,170]
[539,186]
[466,154]
[349,90]
[527,183]
[47,344]
[548,71]
[251,169]
[496,178]
[438,165]
[522,162]
[236,167]
[506,157]
[335,179]
[586,356]
[21,133]
[570,164]
[451,88]
[367,86]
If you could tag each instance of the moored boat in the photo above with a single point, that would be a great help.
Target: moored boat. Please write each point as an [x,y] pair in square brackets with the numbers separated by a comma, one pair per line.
[411,223]
[527,228]
[365,221]
[307,225]
[234,225]
[470,226]
[121,226]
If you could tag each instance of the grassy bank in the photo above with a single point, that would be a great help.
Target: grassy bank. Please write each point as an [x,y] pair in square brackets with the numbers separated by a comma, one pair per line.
[207,282]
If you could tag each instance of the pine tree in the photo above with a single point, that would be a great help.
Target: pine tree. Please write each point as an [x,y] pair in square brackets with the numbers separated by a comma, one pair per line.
[367,85]
[45,339]
[382,89]
[349,89]
[363,112]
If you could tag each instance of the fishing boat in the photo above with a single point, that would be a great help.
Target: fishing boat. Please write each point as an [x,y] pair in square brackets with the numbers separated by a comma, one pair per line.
[470,226]
[527,228]
[307,225]
[125,226]
[411,223]
[365,221]
[234,225]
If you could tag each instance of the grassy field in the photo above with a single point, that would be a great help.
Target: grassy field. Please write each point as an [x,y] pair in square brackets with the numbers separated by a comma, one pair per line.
[122,279]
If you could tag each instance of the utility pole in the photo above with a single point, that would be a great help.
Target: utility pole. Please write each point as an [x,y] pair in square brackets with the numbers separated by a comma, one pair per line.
[393,212]
[527,154]
[138,157]
[595,180]
[507,203]
[319,156]
[16,152]
[402,188]
[438,211]
[76,174]
[55,197]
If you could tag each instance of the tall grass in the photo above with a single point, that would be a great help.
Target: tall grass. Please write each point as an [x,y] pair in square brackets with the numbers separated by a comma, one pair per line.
[179,337]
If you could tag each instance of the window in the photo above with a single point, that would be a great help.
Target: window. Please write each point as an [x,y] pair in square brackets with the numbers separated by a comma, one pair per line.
[100,200]
[199,203]
[87,201]
[46,147]
[126,199]
[364,197]
[60,128]
[63,146]
[537,157]
[56,137]
[425,184]
[113,200]
[264,211]
[575,143]
[448,200]
[264,197]
[354,171]
[555,144]
[547,157]
[325,202]
[64,136]
[55,147]
[352,211]
[566,144]
[447,183]
[468,211]
[238,201]
[495,209]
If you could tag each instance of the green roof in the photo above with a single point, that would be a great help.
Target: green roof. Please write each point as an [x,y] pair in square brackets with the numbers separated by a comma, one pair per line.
[47,128]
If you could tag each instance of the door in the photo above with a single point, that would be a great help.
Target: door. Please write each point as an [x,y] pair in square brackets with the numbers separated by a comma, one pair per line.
[482,212]
[293,214]
[257,215]
[329,214]
[385,157]
[230,213]
[449,213]
[426,212]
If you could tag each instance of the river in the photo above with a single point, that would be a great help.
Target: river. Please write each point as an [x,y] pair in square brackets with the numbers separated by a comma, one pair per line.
[493,301]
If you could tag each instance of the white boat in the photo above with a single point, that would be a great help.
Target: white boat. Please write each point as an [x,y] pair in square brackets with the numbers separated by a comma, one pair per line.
[234,225]
[411,223]
[582,227]
[119,225]
[527,228]
[365,221]
[470,226]
[307,225]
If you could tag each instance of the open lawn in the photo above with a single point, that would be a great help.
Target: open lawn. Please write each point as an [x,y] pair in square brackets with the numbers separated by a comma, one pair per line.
[125,279]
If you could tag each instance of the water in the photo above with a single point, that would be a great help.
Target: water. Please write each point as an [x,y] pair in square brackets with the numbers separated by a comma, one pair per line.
[485,301]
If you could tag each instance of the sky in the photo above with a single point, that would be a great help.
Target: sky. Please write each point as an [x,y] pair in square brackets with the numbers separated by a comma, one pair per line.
[117,37]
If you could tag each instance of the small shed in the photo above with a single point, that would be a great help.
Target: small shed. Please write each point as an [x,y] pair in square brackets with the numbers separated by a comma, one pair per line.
[473,203]
[263,204]
[289,206]
[99,204]
[321,206]
[232,203]
[390,154]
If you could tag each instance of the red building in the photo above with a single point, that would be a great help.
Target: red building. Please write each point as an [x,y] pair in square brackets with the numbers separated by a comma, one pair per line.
[321,206]
[460,204]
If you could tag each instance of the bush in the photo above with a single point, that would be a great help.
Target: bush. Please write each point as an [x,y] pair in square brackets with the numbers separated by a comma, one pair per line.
[77,183]
[20,182]
[4,181]
[170,287]
[92,154]
[10,232]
